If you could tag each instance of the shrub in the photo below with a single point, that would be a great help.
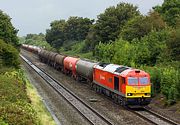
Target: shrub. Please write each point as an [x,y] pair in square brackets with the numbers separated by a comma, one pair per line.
[9,56]
[165,80]
[169,84]
[15,107]
[2,122]
[19,112]
[119,52]
[155,76]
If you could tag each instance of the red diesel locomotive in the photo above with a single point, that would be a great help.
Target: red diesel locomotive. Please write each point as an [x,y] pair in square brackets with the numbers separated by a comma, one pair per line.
[125,85]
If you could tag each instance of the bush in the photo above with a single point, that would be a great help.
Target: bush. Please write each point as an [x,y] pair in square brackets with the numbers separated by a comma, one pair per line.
[9,56]
[150,48]
[18,113]
[146,51]
[165,80]
[3,122]
[119,52]
[155,76]
[170,84]
[76,49]
[15,107]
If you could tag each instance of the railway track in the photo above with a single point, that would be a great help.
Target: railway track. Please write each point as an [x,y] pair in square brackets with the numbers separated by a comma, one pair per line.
[153,117]
[84,109]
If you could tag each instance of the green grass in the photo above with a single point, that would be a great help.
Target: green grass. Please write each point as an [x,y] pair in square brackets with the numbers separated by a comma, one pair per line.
[15,107]
[20,103]
[42,113]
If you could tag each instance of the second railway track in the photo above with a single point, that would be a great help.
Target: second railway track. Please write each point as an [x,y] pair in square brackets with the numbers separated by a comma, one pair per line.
[84,109]
[153,117]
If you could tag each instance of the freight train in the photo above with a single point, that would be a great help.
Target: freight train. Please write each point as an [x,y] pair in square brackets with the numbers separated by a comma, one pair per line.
[125,85]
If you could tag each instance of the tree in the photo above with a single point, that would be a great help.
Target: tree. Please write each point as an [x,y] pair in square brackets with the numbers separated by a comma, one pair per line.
[135,28]
[173,45]
[110,23]
[7,32]
[154,44]
[170,11]
[77,28]
[91,40]
[140,26]
[37,37]
[55,36]
[9,56]
[74,29]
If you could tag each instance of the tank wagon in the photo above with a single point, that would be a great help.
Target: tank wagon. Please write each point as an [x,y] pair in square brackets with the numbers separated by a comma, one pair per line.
[58,62]
[70,65]
[84,70]
[126,85]
[31,48]
[51,58]
[43,56]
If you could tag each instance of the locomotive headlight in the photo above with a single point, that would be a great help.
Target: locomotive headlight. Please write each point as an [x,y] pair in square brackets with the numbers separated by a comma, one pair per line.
[147,94]
[129,94]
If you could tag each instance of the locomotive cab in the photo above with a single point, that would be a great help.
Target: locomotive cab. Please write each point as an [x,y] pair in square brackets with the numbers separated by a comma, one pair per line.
[138,87]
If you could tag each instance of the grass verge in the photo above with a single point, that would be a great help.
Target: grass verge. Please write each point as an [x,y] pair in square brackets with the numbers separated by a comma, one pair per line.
[42,112]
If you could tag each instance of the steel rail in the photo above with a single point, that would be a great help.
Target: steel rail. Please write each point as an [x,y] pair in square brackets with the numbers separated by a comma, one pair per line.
[152,117]
[161,116]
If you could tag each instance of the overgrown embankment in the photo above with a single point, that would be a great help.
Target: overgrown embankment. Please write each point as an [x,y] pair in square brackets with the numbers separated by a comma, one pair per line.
[20,103]
[15,105]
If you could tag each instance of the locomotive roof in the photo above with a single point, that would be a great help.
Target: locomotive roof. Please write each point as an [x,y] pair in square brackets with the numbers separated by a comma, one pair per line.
[115,69]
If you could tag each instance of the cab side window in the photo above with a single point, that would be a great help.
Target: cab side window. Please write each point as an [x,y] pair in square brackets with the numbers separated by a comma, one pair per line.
[123,80]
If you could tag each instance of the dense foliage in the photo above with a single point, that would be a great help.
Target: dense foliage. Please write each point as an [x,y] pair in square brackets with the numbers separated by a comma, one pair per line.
[9,56]
[55,36]
[145,51]
[110,23]
[15,107]
[7,32]
[74,29]
[140,26]
[170,11]
[173,45]
[35,39]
